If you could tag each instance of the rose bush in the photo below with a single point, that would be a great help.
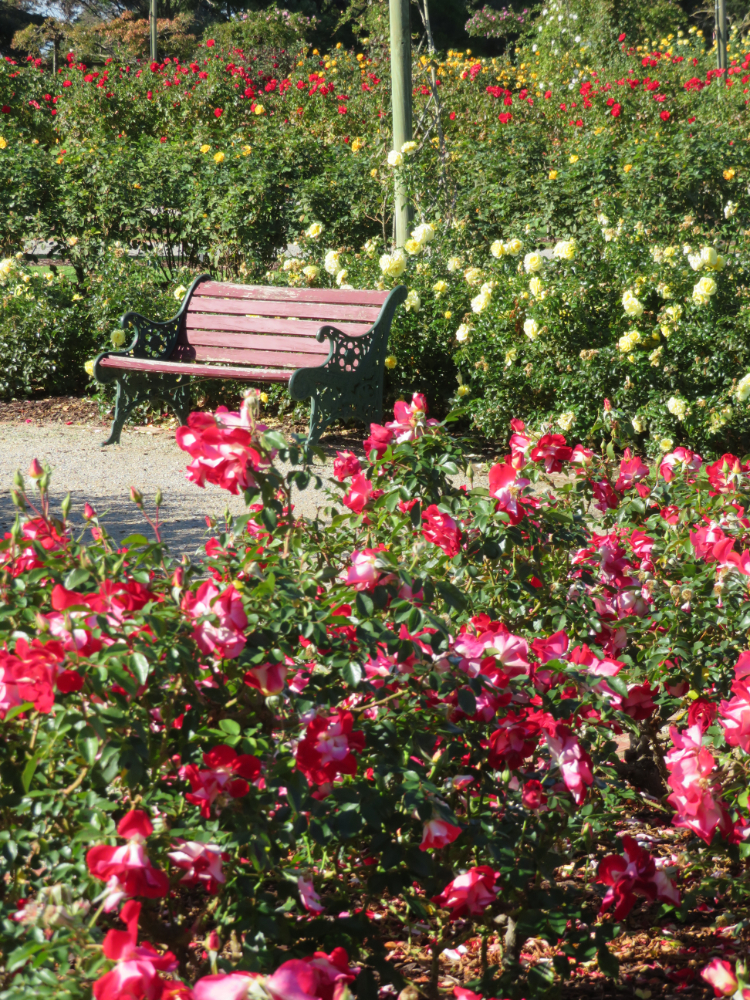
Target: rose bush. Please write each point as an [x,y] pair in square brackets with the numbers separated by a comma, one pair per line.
[623,172]
[401,718]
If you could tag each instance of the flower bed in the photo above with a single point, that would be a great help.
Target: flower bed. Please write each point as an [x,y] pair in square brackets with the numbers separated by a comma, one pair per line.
[219,777]
[631,156]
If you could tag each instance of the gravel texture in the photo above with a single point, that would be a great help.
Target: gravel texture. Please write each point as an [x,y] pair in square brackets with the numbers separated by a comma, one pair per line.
[147,458]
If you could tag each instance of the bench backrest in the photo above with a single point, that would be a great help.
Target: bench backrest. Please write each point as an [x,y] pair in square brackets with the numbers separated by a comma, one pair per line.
[263,326]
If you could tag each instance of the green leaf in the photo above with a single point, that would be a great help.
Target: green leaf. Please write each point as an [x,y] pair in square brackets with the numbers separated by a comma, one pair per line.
[88,745]
[608,963]
[230,726]
[28,772]
[352,673]
[75,578]
[140,667]
[133,541]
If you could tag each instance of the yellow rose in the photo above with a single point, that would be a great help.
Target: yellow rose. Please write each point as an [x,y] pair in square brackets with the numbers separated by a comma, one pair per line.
[463,390]
[572,158]
[729,174]
[218,158]
[628,167]
[259,109]
[553,175]
[264,397]
[3,143]
[89,368]
[205,147]
[117,338]
[390,361]
[357,145]
[246,150]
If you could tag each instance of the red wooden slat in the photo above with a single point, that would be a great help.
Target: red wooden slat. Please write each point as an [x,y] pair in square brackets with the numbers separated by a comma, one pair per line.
[347,296]
[322,311]
[262,324]
[204,371]
[246,341]
[256,358]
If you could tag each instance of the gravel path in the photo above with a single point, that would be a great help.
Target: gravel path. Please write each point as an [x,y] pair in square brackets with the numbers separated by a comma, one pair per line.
[148,458]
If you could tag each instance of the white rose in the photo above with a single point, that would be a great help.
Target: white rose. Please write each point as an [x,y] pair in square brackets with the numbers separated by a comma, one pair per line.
[331,262]
[678,407]
[631,305]
[413,302]
[707,286]
[473,276]
[497,249]
[462,333]
[628,341]
[535,286]
[395,159]
[533,262]
[639,425]
[341,277]
[730,209]
[531,329]
[566,420]
[424,233]
[408,147]
[695,261]
[743,388]
[393,264]
[311,272]
[480,302]
[565,250]
[708,256]
[513,247]
[179,292]
[314,230]
[454,264]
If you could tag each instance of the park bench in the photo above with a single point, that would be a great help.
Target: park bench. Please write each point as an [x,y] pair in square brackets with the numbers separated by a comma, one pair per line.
[259,333]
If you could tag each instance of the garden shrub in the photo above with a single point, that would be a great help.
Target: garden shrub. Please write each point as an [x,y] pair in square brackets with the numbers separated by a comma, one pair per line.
[405,711]
[218,164]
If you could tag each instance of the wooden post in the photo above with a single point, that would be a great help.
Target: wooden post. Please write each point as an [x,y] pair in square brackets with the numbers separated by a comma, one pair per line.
[401,102]
[720,17]
[152,26]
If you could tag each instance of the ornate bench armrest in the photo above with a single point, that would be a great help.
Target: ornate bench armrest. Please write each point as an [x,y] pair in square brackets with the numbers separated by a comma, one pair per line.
[350,381]
[154,339]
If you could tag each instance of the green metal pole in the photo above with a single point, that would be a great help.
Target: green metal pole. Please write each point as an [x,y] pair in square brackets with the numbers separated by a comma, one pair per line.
[401,101]
[721,34]
[152,26]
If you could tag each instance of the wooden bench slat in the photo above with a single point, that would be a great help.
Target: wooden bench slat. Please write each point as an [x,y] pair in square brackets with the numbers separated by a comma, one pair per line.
[208,371]
[304,310]
[262,324]
[213,338]
[255,358]
[345,296]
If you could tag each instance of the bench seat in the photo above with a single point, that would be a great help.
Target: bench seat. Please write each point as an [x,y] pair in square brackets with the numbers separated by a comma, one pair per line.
[329,344]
